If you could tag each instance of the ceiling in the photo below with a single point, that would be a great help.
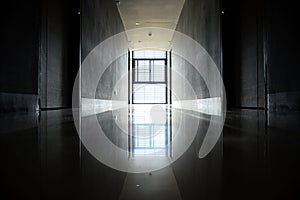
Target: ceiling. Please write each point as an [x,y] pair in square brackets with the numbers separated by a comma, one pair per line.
[146,14]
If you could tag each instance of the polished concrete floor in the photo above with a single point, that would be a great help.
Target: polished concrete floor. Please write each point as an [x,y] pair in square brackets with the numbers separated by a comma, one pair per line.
[42,158]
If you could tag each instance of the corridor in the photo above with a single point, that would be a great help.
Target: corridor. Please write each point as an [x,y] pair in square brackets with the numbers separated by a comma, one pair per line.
[149,100]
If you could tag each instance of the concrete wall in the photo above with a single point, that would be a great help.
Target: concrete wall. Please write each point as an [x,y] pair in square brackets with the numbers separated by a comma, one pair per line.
[18,57]
[39,54]
[101,20]
[59,51]
[242,53]
[282,50]
[199,20]
[113,85]
[187,82]
[260,54]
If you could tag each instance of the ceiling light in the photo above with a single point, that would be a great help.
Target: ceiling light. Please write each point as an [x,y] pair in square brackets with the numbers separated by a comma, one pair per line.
[137,23]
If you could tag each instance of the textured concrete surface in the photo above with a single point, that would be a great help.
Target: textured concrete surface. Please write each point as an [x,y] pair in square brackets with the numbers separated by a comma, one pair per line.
[242,57]
[205,29]
[39,53]
[60,52]
[260,54]
[283,55]
[19,54]
[101,20]
[187,83]
[19,47]
[13,102]
[114,82]
[284,101]
[200,19]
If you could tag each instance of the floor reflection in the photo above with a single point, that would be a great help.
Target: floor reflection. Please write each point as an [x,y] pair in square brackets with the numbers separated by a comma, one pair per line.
[44,159]
[151,131]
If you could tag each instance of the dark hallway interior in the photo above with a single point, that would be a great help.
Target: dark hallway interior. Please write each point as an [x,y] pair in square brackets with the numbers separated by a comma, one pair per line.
[47,103]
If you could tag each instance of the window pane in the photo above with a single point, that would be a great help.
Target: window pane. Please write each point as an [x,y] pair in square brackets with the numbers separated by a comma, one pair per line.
[149,93]
[149,54]
[158,73]
[150,71]
[143,71]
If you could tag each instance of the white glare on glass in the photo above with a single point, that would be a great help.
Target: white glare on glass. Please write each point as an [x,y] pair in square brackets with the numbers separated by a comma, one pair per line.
[149,54]
[149,93]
